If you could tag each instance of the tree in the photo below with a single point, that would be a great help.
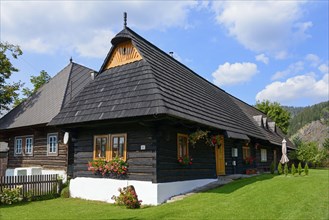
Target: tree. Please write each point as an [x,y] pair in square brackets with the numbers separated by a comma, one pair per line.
[37,82]
[275,112]
[293,169]
[8,92]
[299,169]
[326,144]
[310,152]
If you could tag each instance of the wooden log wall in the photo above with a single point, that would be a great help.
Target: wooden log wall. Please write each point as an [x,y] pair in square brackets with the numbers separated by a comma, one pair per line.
[142,163]
[39,157]
[168,168]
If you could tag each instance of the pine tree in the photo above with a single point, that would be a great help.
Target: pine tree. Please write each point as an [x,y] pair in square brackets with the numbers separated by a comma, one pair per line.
[293,169]
[285,170]
[272,167]
[280,169]
[306,169]
[299,169]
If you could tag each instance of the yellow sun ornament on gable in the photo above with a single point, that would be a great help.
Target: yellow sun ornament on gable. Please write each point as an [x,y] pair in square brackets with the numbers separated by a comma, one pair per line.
[123,53]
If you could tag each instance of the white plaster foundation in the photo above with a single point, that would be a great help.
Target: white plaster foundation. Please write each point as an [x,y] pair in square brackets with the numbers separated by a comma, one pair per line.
[102,189]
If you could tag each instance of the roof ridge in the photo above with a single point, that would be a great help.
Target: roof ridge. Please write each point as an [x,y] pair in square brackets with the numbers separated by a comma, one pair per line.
[67,83]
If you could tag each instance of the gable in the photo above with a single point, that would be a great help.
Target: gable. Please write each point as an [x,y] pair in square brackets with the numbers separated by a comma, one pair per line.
[123,53]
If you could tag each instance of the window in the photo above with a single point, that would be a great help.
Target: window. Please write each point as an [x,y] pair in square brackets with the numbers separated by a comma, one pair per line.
[234,152]
[245,152]
[29,145]
[182,145]
[23,146]
[107,147]
[100,146]
[118,146]
[18,145]
[263,155]
[52,145]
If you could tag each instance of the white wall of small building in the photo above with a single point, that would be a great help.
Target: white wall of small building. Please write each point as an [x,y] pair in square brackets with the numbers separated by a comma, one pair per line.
[102,189]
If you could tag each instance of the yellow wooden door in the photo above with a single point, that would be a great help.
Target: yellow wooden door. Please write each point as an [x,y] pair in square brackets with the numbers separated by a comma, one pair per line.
[220,158]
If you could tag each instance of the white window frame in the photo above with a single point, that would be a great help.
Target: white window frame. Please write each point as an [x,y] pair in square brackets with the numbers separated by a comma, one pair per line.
[50,151]
[18,151]
[263,155]
[234,152]
[26,145]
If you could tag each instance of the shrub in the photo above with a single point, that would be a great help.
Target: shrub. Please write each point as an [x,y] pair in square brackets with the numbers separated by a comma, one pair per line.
[280,169]
[65,193]
[272,168]
[293,169]
[285,169]
[10,196]
[299,169]
[127,197]
[306,169]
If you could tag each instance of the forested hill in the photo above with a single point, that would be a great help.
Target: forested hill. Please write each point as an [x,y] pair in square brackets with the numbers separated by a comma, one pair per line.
[302,116]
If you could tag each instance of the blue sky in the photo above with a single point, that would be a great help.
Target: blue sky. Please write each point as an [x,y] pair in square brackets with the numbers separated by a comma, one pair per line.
[255,50]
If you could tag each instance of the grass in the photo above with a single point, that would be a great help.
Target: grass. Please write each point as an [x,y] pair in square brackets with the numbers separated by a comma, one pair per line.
[260,197]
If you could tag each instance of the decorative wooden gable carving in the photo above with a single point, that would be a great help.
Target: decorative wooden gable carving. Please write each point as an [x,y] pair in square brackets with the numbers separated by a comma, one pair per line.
[123,53]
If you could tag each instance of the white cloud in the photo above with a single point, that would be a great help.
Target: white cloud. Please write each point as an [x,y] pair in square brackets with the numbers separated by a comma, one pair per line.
[236,73]
[263,26]
[324,68]
[262,58]
[313,59]
[50,26]
[294,68]
[298,87]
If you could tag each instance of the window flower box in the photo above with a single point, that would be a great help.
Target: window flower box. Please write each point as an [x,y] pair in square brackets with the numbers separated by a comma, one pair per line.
[185,160]
[116,168]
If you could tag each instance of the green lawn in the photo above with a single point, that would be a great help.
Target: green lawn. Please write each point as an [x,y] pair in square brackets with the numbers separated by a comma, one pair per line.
[261,197]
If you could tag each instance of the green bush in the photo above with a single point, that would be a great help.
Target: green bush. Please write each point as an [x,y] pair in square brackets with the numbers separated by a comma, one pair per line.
[65,193]
[272,168]
[293,169]
[10,196]
[285,169]
[128,197]
[306,169]
[280,169]
[299,169]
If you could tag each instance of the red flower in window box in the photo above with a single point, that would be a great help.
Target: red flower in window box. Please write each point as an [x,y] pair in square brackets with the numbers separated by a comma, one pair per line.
[185,160]
[249,160]
[116,168]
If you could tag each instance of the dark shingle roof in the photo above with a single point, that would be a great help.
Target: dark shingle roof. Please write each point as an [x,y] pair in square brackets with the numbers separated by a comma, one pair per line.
[157,84]
[273,137]
[46,103]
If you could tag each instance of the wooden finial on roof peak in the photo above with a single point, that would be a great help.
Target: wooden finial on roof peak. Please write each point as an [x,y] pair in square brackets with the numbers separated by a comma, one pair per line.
[124,19]
[71,60]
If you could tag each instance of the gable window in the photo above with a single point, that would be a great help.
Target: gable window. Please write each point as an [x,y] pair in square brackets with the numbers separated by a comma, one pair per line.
[182,145]
[29,145]
[245,152]
[18,145]
[118,146]
[100,146]
[263,155]
[52,144]
[107,147]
